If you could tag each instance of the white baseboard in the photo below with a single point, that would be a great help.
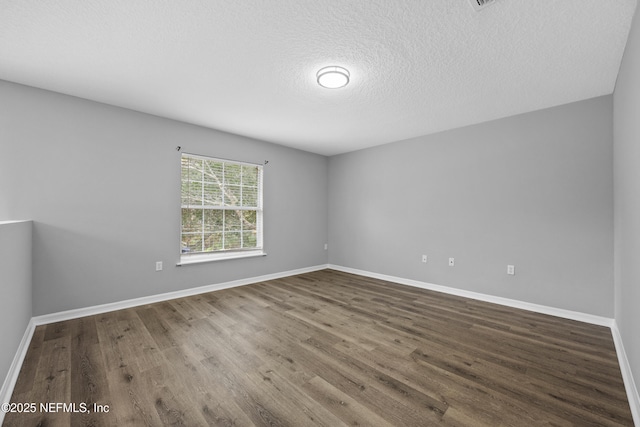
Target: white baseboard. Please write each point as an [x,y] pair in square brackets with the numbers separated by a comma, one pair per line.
[627,375]
[558,312]
[12,376]
[105,308]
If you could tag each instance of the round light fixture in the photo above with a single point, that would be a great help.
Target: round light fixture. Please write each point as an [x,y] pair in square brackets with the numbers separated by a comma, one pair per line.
[333,77]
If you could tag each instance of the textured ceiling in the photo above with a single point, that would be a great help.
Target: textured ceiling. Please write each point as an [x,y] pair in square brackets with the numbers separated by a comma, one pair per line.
[248,67]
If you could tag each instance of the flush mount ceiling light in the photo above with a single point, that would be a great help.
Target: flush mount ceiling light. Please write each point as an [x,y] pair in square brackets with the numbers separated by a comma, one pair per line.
[333,77]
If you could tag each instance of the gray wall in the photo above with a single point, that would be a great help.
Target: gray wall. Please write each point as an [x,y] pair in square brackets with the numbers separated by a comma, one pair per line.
[102,186]
[533,190]
[15,285]
[626,114]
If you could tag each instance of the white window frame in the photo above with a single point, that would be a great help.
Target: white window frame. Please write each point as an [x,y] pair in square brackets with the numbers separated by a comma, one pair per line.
[200,257]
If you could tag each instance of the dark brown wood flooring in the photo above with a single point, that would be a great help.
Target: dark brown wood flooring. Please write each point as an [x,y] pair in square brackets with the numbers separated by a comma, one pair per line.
[328,349]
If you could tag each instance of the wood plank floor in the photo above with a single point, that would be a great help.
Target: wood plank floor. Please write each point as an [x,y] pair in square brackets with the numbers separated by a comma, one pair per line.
[327,349]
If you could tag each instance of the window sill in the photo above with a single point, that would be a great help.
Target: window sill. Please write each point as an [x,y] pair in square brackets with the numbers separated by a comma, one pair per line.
[202,258]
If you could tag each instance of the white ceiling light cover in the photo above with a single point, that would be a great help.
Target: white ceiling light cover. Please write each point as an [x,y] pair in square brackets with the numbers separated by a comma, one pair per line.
[333,77]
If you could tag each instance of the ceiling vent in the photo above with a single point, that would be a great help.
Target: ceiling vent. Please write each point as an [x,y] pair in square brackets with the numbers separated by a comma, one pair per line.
[481,4]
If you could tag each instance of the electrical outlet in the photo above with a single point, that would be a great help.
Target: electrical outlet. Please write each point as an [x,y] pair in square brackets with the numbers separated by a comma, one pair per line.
[511,270]
[159,266]
[424,259]
[451,262]
[326,246]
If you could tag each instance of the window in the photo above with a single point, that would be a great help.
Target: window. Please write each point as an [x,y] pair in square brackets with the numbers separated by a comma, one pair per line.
[221,209]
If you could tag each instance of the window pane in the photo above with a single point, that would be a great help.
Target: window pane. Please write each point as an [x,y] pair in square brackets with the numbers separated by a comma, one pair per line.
[191,243]
[213,171]
[194,170]
[250,176]
[191,220]
[232,195]
[184,169]
[213,220]
[249,220]
[212,195]
[250,196]
[213,242]
[195,193]
[232,174]
[249,239]
[185,193]
[232,240]
[232,220]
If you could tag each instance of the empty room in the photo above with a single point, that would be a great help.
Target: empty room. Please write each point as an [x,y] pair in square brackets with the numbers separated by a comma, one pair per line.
[320,213]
